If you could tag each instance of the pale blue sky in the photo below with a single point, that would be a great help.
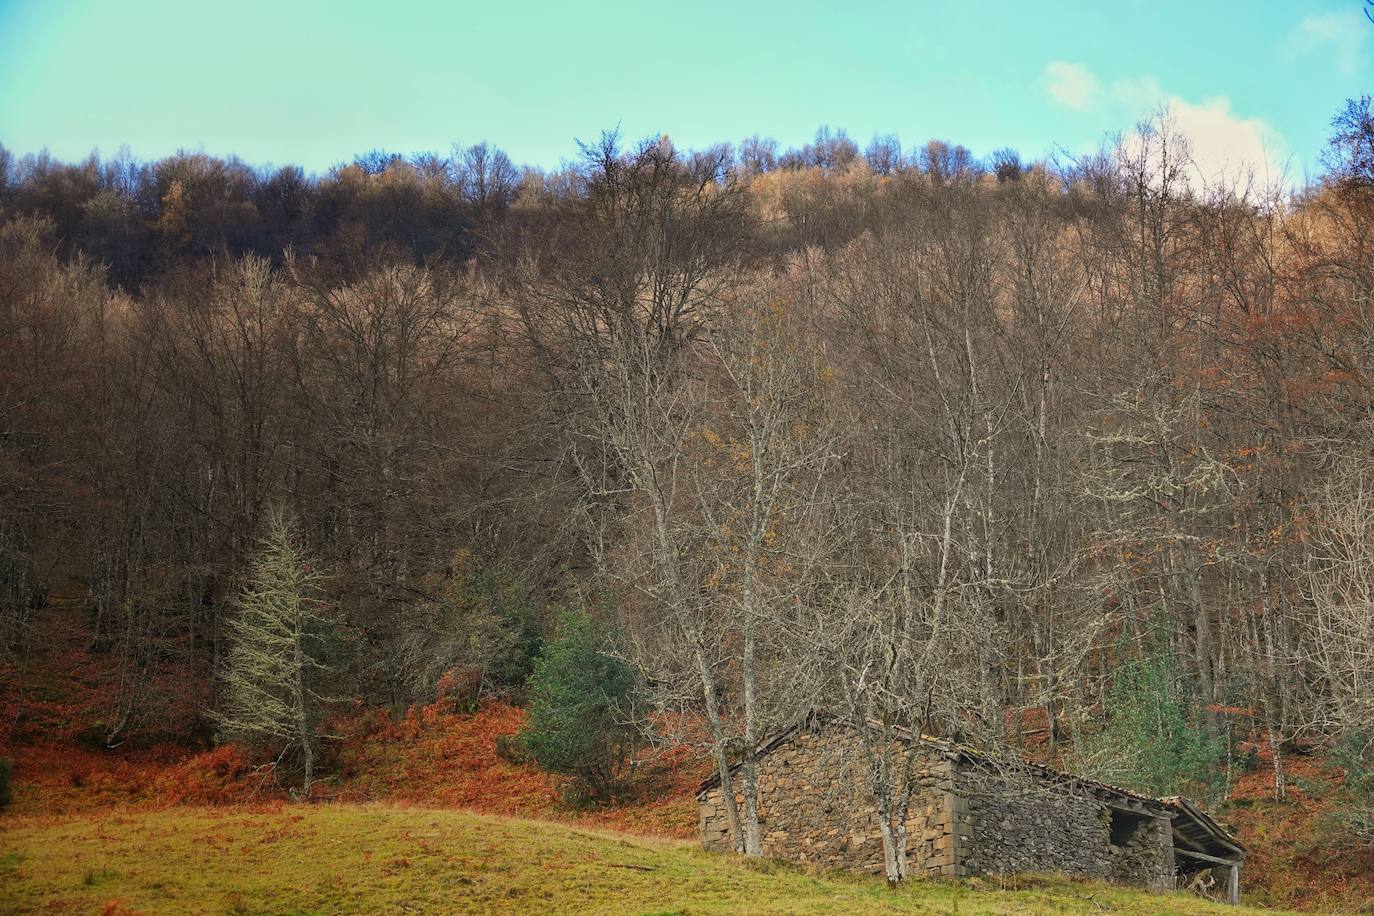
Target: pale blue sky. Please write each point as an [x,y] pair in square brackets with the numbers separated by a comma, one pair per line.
[318,82]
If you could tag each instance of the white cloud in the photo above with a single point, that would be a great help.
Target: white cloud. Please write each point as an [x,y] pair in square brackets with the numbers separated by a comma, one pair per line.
[1139,93]
[1072,85]
[1225,145]
[1342,34]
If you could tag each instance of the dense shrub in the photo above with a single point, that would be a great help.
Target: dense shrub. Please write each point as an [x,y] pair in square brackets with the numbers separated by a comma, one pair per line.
[477,630]
[222,776]
[1151,739]
[1355,753]
[582,712]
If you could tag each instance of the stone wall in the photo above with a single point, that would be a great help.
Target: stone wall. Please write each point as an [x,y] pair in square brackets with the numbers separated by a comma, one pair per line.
[816,806]
[1018,822]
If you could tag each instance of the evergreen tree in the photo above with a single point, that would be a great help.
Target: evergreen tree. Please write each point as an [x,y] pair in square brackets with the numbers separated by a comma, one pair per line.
[581,710]
[276,658]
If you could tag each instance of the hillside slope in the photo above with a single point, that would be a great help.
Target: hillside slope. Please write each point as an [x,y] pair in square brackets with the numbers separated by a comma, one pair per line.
[439,756]
[380,859]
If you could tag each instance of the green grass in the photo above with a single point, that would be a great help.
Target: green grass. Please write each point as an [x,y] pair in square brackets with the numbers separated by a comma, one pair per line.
[378,859]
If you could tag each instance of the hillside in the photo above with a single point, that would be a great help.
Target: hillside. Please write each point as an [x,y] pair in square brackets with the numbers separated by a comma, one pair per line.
[380,859]
[441,757]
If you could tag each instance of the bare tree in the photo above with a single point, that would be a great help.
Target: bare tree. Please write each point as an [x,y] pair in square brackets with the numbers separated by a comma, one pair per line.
[760,487]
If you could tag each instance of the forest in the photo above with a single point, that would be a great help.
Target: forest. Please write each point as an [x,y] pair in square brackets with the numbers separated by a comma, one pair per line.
[1068,458]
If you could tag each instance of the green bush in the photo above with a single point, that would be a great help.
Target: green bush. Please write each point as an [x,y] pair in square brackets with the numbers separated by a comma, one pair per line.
[6,772]
[582,703]
[1355,753]
[1151,739]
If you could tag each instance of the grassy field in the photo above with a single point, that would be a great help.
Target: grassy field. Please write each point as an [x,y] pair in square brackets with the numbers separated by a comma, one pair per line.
[380,859]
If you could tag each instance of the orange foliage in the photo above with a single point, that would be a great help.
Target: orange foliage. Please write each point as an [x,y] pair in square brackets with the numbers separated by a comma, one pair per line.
[65,779]
[437,756]
[223,776]
[1293,854]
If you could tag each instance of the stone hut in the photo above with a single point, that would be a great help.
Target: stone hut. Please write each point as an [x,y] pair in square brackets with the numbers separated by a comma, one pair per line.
[969,815]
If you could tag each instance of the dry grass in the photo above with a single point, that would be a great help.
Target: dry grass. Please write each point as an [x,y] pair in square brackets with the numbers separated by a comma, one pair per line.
[381,859]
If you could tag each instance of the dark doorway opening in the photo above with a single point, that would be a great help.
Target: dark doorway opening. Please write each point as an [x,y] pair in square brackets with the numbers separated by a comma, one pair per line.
[1124,827]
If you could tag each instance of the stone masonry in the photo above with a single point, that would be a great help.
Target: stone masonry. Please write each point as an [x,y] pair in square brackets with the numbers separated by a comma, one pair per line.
[1020,823]
[816,807]
[966,817]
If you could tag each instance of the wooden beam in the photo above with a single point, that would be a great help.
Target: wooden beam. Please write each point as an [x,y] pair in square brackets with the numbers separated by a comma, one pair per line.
[1238,851]
[1205,857]
[1233,886]
[1180,835]
[1130,806]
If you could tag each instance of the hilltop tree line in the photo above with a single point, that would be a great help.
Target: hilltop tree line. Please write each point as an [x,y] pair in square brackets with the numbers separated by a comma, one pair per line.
[1076,451]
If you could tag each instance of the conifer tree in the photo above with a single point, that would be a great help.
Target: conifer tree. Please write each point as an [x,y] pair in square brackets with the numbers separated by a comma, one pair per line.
[275,660]
[581,710]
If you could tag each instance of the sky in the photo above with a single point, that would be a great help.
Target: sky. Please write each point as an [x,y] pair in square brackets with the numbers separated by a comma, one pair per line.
[316,83]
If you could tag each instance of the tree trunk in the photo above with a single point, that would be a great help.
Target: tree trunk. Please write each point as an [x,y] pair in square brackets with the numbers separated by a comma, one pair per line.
[753,843]
[302,720]
[1273,705]
[718,750]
